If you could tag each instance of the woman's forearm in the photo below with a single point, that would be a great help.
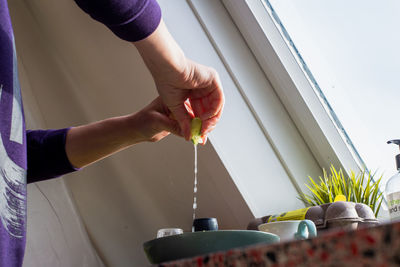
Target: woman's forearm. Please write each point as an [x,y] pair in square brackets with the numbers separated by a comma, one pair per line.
[161,53]
[92,142]
[89,143]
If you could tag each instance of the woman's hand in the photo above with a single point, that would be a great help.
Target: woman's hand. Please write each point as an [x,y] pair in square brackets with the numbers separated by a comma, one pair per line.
[194,92]
[153,123]
[187,88]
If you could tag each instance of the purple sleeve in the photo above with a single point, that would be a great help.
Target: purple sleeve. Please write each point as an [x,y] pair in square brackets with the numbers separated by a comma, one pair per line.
[131,20]
[46,154]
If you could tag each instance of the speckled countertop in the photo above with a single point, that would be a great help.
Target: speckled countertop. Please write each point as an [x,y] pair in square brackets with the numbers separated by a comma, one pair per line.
[377,246]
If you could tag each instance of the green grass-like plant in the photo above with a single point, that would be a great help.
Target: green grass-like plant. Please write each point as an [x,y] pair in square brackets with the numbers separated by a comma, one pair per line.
[359,188]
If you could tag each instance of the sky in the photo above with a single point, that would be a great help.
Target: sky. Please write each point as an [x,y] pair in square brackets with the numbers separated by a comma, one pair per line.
[352,49]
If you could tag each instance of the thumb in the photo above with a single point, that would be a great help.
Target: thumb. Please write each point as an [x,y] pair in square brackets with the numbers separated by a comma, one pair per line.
[183,119]
[170,125]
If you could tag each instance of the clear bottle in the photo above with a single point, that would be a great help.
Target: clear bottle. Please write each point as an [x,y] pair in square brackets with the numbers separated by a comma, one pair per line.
[392,189]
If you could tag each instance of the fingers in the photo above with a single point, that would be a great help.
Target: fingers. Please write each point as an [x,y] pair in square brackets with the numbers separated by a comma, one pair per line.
[167,124]
[189,108]
[207,104]
[209,125]
[202,87]
[168,119]
[205,138]
[173,127]
[209,101]
[183,118]
[158,105]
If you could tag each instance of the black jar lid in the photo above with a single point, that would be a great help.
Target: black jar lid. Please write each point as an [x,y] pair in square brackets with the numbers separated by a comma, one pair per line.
[205,224]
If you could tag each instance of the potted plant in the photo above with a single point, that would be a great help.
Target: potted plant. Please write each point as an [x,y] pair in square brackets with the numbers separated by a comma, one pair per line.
[348,202]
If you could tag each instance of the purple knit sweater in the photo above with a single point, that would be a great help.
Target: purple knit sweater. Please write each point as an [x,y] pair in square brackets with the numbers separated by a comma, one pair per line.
[30,156]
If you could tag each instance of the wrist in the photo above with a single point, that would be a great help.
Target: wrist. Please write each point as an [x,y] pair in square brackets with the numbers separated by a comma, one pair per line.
[161,54]
[134,131]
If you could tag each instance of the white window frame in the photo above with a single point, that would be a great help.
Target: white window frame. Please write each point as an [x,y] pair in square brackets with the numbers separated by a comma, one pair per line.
[326,140]
[282,139]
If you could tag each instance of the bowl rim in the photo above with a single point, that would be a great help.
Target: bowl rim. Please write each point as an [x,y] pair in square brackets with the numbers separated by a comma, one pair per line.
[208,232]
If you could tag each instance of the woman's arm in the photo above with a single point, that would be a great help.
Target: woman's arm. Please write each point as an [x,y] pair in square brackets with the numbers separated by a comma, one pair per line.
[89,143]
[52,153]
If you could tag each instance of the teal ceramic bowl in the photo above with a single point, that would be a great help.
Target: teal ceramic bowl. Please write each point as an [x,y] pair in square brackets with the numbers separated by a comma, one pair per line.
[188,245]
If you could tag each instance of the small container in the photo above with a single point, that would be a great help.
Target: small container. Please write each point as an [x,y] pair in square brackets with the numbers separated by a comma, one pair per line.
[367,216]
[343,215]
[205,224]
[340,214]
[169,231]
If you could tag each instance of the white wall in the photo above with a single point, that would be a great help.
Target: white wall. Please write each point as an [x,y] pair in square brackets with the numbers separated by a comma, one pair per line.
[56,235]
[74,71]
[78,72]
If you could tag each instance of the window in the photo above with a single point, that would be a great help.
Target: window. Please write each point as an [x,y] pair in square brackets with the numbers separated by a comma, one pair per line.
[339,54]
[264,36]
[351,52]
[334,67]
